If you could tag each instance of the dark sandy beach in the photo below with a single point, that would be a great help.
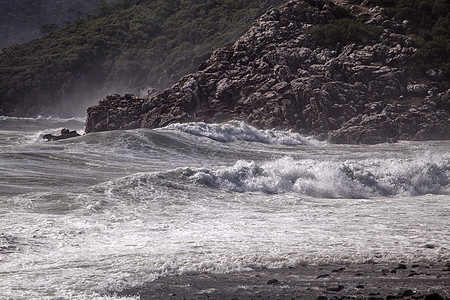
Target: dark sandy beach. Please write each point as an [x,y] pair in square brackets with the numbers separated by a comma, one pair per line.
[358,281]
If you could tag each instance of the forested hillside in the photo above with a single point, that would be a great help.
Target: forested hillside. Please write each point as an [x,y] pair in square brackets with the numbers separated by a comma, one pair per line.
[127,47]
[24,20]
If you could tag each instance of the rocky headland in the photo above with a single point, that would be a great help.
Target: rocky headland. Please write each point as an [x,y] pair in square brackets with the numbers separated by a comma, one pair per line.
[278,76]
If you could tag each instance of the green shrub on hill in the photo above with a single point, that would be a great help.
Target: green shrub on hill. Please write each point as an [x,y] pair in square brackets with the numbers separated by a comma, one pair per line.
[343,31]
[346,29]
[430,26]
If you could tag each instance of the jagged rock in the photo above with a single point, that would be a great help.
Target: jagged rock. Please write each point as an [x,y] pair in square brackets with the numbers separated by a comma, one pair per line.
[65,134]
[274,76]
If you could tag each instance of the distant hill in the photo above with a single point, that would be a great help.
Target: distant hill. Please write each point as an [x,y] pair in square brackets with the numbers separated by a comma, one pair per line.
[125,46]
[20,20]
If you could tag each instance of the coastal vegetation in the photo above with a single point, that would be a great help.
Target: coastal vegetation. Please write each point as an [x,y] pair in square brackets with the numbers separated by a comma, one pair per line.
[344,31]
[126,46]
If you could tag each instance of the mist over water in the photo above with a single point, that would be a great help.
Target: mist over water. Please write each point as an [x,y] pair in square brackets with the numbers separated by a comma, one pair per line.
[101,212]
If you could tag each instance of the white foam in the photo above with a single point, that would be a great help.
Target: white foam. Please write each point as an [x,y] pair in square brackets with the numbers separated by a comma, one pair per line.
[329,179]
[240,131]
[116,209]
[132,229]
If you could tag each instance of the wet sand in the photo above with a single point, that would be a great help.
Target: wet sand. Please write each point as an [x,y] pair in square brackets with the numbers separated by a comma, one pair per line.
[359,281]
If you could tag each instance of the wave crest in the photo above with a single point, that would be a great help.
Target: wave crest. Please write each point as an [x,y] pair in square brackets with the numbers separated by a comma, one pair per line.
[240,131]
[332,179]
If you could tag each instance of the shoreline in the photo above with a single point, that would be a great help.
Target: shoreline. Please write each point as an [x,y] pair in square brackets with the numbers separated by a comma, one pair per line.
[332,281]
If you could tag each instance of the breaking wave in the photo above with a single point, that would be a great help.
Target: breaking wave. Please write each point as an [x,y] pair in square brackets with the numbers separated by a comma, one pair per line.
[240,131]
[307,177]
[331,179]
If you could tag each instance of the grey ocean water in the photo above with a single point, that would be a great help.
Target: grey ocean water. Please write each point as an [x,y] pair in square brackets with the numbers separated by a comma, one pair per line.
[87,216]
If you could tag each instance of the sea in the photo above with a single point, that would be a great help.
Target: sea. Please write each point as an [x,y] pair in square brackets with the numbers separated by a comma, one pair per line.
[86,217]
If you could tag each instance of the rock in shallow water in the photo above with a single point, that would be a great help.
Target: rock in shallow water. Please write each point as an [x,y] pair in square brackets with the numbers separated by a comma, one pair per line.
[273,281]
[65,134]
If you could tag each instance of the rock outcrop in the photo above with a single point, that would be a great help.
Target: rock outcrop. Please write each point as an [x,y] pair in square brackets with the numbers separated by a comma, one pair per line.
[65,134]
[275,76]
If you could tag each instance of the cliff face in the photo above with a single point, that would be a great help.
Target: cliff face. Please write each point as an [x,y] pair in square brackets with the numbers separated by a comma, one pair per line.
[277,76]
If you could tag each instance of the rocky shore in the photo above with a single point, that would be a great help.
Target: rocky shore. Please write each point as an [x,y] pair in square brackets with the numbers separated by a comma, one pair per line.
[358,281]
[276,76]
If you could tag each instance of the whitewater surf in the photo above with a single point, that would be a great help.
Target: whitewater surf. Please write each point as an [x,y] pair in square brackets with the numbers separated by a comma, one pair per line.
[84,217]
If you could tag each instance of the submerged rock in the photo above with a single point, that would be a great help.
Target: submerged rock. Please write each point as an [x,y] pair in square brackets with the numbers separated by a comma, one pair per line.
[276,76]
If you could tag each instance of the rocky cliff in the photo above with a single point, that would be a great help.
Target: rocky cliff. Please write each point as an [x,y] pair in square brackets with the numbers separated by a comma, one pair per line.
[278,76]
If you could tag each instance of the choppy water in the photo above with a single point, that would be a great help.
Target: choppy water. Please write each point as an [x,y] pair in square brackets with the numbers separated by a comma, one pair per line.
[86,216]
